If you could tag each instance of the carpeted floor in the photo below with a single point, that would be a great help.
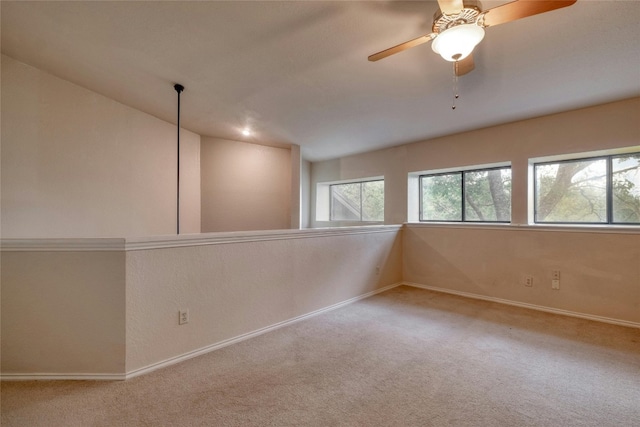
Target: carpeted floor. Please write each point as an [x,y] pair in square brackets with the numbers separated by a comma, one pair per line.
[407,357]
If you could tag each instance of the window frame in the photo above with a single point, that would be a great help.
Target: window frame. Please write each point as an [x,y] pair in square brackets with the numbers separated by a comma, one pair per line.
[360,182]
[608,188]
[462,173]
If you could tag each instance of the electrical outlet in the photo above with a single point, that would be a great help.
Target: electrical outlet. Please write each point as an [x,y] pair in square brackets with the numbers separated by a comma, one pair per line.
[555,279]
[527,280]
[183,317]
[377,269]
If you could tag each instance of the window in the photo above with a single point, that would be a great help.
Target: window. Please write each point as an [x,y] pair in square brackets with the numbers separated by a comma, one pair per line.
[481,195]
[599,190]
[357,201]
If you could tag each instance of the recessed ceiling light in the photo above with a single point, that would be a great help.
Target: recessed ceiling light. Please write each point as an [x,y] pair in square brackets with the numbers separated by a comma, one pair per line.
[246,131]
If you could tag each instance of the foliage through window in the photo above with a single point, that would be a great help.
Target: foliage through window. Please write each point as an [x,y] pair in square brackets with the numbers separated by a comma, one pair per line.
[357,201]
[603,190]
[482,195]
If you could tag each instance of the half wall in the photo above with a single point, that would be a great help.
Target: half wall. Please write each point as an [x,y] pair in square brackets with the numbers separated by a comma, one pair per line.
[108,308]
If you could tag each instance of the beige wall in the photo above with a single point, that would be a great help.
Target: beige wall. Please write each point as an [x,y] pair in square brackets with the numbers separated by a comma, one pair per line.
[235,288]
[77,164]
[599,269]
[245,186]
[597,128]
[108,307]
[305,193]
[63,312]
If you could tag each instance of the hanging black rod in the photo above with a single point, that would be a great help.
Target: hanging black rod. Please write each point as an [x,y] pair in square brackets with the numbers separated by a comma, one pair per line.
[179,88]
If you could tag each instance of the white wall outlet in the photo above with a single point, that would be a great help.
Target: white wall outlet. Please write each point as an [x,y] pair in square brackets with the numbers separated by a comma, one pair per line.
[377,269]
[183,317]
[527,280]
[555,275]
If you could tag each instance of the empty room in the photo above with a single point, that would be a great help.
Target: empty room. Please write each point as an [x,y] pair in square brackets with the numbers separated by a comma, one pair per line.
[320,213]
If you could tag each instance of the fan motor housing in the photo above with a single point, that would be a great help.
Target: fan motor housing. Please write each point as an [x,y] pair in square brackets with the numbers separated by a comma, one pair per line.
[467,15]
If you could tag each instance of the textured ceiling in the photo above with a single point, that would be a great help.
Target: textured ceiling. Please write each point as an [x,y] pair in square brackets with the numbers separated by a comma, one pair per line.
[296,72]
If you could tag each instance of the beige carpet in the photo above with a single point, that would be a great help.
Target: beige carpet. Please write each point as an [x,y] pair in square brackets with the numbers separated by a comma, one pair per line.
[407,357]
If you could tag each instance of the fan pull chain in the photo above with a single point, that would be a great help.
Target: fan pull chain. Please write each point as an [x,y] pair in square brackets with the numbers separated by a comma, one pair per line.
[455,85]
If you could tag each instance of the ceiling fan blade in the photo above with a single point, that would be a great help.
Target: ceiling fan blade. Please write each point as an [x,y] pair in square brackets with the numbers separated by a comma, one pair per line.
[450,7]
[521,9]
[465,66]
[402,46]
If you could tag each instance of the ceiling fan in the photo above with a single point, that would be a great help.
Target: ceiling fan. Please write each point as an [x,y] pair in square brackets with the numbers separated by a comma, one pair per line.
[459,26]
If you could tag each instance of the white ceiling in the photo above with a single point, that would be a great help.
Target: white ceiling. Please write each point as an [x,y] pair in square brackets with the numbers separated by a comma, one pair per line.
[296,72]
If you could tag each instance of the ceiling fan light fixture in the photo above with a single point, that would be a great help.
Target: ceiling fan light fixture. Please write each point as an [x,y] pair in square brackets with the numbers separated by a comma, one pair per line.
[456,43]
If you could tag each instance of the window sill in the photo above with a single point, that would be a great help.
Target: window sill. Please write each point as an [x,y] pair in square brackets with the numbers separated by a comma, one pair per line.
[578,228]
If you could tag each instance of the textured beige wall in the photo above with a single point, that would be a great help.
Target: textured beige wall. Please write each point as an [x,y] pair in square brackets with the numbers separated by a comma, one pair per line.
[607,126]
[71,309]
[77,164]
[244,186]
[63,312]
[232,289]
[599,270]
[305,194]
[295,194]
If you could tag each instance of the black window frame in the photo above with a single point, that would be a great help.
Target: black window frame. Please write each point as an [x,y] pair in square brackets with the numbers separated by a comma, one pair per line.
[331,218]
[462,173]
[609,190]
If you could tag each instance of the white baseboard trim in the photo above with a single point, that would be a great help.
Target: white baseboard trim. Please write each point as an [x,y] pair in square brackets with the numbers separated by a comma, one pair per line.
[72,377]
[527,305]
[243,337]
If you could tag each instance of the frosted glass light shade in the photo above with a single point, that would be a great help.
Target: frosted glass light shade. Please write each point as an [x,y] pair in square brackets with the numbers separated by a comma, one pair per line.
[456,43]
